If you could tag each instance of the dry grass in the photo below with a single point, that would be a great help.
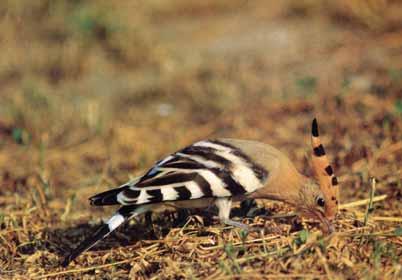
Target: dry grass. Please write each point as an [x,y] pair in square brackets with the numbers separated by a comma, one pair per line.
[94,93]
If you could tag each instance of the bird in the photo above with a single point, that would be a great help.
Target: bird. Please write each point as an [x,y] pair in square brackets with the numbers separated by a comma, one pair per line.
[221,171]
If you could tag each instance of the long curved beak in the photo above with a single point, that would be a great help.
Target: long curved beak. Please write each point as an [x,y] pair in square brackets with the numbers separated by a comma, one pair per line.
[328,228]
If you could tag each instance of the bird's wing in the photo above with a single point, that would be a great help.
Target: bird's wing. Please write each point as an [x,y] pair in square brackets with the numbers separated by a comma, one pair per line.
[210,168]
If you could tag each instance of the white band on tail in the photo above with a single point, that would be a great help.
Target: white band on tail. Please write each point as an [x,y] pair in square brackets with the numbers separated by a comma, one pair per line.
[115,221]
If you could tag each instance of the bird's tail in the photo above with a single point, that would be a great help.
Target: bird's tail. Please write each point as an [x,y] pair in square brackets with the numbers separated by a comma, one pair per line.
[122,215]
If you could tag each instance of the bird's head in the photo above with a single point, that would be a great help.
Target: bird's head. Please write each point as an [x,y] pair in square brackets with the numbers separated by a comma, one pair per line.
[320,196]
[315,204]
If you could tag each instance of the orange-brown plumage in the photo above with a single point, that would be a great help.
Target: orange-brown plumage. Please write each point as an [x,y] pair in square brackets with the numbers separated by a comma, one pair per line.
[285,183]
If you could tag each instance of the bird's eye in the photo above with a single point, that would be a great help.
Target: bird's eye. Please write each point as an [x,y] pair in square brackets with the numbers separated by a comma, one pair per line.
[320,201]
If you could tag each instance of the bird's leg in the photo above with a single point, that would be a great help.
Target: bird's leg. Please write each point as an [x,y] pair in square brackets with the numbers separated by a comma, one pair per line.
[224,205]
[237,224]
[149,224]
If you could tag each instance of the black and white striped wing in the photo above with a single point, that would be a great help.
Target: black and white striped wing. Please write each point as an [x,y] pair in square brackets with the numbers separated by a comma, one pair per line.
[205,169]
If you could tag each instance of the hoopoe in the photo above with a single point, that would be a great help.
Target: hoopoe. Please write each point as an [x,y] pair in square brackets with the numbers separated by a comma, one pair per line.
[220,172]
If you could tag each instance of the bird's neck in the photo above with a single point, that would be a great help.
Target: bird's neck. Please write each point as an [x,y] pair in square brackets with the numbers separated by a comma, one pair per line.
[284,185]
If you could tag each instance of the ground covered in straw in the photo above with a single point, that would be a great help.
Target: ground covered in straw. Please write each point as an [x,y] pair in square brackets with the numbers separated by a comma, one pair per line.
[93,94]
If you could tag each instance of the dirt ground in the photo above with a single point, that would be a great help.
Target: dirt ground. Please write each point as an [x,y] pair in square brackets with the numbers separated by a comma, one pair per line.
[93,93]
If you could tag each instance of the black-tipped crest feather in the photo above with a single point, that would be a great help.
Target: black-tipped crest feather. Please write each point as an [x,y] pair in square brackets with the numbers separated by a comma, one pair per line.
[314,128]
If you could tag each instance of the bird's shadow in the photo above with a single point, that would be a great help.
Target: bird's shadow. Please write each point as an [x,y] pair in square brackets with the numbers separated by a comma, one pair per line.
[61,241]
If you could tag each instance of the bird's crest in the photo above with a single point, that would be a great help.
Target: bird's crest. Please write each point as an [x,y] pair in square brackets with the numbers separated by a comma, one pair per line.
[324,173]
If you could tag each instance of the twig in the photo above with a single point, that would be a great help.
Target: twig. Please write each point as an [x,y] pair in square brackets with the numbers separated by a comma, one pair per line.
[362,202]
[386,219]
[380,234]
[67,209]
[280,251]
[91,267]
[257,240]
[270,276]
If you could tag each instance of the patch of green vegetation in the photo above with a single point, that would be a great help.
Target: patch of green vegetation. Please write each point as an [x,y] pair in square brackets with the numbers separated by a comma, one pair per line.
[243,235]
[302,237]
[307,84]
[398,107]
[345,83]
[232,252]
[370,207]
[20,136]
[31,111]
[35,97]
[229,250]
[91,23]
[383,250]
[395,75]
[322,245]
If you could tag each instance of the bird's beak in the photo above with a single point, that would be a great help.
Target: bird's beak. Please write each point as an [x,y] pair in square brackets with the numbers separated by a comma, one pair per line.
[328,228]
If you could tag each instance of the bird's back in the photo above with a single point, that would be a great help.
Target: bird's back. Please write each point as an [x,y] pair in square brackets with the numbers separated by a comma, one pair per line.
[206,169]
